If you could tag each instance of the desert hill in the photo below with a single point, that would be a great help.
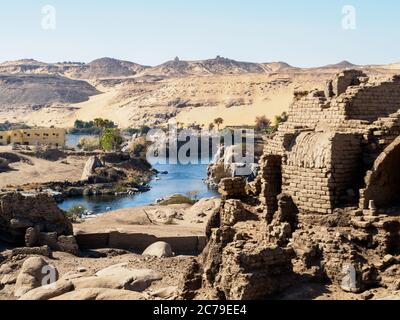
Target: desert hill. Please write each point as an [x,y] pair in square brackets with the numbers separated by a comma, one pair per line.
[219,66]
[28,66]
[277,67]
[341,65]
[114,68]
[99,68]
[38,90]
[109,68]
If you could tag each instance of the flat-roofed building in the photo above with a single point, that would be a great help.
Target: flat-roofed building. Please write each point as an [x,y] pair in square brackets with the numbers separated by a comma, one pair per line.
[36,136]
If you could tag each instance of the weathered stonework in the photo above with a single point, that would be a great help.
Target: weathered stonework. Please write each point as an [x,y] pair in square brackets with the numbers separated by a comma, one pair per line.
[331,141]
[31,219]
[326,204]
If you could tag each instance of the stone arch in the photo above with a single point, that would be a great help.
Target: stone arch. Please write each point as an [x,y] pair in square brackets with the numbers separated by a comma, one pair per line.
[383,181]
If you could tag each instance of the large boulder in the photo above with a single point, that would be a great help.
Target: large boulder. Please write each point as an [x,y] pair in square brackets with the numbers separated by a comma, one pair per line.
[118,277]
[100,294]
[8,274]
[49,291]
[159,249]
[126,281]
[168,293]
[216,172]
[19,212]
[90,166]
[113,270]
[4,164]
[34,272]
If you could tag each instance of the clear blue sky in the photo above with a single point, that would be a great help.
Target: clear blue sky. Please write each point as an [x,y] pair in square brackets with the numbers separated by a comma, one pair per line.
[302,33]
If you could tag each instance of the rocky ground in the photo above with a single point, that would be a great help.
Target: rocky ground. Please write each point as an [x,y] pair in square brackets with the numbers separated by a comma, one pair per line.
[49,243]
[249,255]
[169,270]
[290,257]
[36,170]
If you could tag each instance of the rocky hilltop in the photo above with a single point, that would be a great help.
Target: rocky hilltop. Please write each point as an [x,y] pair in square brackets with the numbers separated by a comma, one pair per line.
[219,66]
[114,68]
[108,68]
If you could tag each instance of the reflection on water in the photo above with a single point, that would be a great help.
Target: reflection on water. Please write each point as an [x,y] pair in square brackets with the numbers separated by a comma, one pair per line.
[180,179]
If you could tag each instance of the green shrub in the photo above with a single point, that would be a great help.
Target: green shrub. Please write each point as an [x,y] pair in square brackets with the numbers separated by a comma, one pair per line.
[75,213]
[111,139]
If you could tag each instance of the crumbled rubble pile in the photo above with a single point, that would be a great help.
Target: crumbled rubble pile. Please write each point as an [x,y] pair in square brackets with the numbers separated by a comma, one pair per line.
[325,207]
[35,223]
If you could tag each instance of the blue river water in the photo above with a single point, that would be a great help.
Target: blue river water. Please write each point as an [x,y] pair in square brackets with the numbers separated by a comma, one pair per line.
[180,179]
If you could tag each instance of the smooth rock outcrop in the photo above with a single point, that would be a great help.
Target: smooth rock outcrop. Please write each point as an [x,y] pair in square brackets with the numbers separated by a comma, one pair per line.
[113,270]
[32,275]
[159,249]
[118,277]
[92,164]
[49,291]
[4,165]
[168,293]
[100,294]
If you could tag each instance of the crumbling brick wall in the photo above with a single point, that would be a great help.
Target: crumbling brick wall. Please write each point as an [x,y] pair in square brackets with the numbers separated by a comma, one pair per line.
[332,139]
[271,182]
[320,168]
[371,101]
[232,188]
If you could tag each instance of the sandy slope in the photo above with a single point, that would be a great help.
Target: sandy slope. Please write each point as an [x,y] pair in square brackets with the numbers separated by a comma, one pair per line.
[271,106]
[40,171]
[238,99]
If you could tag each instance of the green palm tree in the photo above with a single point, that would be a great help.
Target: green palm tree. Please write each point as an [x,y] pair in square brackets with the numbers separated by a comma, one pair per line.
[218,122]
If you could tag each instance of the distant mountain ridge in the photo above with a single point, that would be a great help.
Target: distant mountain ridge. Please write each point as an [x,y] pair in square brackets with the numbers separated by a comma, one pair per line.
[113,68]
[109,68]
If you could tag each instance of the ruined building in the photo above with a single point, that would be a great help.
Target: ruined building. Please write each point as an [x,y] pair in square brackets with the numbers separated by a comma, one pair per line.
[338,146]
[325,206]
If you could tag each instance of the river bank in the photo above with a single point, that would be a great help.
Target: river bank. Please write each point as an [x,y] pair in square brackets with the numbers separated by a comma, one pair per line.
[84,253]
[177,179]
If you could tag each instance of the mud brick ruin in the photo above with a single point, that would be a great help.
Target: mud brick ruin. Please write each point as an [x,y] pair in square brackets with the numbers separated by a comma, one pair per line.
[325,206]
[338,148]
